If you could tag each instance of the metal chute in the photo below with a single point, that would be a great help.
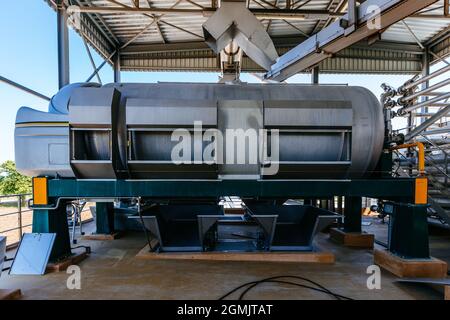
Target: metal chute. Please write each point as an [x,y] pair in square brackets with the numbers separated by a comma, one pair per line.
[233,22]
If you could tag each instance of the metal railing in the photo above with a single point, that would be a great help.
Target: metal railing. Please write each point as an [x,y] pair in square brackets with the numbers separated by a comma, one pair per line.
[444,169]
[19,201]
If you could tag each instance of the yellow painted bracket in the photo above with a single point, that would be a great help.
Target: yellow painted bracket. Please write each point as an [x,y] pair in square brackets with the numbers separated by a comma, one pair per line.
[40,191]
[421,185]
[421,151]
[421,191]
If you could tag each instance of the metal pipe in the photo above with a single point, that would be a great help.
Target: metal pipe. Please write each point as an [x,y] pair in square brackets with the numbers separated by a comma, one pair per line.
[23,88]
[442,130]
[91,59]
[413,107]
[100,67]
[423,115]
[408,86]
[63,46]
[116,67]
[421,152]
[427,90]
[426,124]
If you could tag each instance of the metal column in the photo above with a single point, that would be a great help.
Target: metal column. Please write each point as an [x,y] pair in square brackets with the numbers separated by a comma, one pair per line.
[104,217]
[315,75]
[63,46]
[116,67]
[352,214]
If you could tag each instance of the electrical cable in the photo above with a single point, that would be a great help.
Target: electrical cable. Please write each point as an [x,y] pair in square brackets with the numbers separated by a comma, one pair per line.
[252,284]
[335,295]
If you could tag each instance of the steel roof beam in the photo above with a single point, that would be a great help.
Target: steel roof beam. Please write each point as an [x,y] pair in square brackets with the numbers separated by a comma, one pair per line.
[274,13]
[279,42]
[332,39]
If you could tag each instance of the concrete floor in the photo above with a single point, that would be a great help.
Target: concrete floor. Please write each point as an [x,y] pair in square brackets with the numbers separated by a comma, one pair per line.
[113,272]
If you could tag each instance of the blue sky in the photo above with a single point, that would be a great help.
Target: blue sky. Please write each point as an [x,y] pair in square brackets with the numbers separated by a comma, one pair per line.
[28,56]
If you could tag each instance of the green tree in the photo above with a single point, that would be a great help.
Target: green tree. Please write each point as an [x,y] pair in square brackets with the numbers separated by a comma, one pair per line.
[11,181]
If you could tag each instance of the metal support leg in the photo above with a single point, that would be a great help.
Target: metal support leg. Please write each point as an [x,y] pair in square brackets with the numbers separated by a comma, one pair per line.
[408,230]
[117,67]
[63,46]
[54,221]
[104,217]
[352,214]
[339,207]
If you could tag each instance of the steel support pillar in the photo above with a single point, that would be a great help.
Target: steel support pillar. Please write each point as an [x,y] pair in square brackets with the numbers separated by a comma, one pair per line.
[426,84]
[408,230]
[104,217]
[339,205]
[315,75]
[116,67]
[352,214]
[63,46]
[54,221]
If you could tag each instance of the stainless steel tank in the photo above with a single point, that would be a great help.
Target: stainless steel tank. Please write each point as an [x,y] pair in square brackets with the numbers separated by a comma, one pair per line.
[324,131]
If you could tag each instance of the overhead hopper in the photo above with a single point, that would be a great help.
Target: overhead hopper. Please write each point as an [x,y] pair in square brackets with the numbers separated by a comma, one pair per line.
[234,22]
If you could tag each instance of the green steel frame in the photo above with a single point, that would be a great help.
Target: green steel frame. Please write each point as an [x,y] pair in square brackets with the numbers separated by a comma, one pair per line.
[60,191]
[399,189]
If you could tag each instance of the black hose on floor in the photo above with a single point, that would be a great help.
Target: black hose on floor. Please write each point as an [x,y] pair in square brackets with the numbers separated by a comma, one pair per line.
[252,284]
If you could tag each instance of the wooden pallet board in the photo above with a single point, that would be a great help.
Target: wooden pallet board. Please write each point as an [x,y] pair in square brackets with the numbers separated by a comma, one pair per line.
[237,211]
[64,264]
[352,239]
[102,237]
[10,294]
[285,257]
[406,268]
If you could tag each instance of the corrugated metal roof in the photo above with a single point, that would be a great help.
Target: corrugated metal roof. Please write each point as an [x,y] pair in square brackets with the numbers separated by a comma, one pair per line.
[109,30]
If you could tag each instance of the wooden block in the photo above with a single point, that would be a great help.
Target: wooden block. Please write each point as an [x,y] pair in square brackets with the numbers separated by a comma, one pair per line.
[293,257]
[64,264]
[406,268]
[352,239]
[10,294]
[234,210]
[447,292]
[102,237]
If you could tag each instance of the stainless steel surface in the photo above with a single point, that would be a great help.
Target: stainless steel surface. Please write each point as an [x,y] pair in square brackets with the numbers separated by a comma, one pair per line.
[325,131]
[234,22]
[33,253]
[94,136]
